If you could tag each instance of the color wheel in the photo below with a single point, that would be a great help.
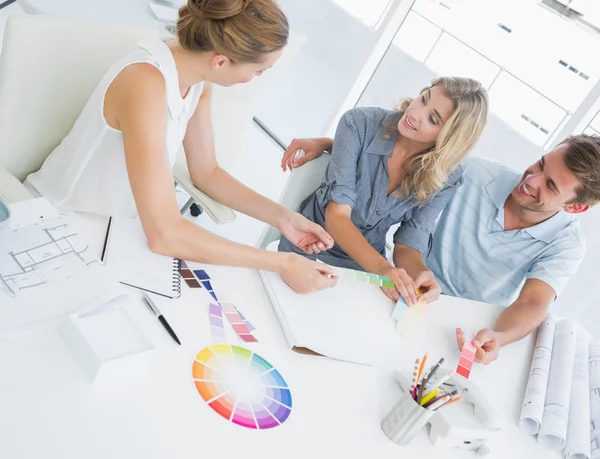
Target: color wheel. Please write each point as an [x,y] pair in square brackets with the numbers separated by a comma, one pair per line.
[241,386]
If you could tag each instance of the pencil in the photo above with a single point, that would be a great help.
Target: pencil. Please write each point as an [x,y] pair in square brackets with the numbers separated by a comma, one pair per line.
[435,399]
[454,400]
[413,384]
[421,367]
[422,389]
[434,369]
[441,401]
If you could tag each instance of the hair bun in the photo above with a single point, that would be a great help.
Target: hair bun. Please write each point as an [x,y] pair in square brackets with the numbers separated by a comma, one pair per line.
[217,10]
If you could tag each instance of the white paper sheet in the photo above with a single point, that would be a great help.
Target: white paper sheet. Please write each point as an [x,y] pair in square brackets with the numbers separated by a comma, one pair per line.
[594,360]
[532,411]
[578,434]
[553,430]
[358,329]
[46,269]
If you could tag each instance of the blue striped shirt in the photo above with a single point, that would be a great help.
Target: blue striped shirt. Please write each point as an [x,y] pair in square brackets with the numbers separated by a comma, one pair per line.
[473,257]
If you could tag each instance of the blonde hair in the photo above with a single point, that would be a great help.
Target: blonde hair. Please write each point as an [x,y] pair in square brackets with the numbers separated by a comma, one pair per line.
[428,172]
[242,30]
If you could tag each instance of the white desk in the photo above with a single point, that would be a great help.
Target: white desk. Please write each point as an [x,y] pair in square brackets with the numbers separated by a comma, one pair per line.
[48,408]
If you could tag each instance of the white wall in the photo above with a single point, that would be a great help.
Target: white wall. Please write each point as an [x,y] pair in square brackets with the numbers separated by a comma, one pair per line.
[307,95]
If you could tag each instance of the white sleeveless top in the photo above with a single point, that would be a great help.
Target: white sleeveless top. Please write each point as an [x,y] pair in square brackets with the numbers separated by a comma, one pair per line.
[87,171]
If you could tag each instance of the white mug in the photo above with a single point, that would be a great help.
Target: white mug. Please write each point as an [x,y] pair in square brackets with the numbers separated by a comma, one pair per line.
[4,215]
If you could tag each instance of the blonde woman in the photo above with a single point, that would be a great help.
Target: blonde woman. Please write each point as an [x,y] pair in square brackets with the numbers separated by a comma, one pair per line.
[390,167]
[118,156]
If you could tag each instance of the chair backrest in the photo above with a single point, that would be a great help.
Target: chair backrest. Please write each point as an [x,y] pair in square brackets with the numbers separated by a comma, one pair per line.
[49,67]
[301,182]
[233,107]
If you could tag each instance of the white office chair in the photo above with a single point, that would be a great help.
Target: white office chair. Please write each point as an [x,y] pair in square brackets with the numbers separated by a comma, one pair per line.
[233,110]
[302,182]
[49,67]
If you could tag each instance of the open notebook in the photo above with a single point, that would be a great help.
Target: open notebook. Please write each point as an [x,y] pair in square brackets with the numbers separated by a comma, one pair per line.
[350,322]
[127,254]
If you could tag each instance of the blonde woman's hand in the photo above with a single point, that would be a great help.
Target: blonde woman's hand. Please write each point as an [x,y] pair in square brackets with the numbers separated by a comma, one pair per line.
[306,235]
[405,285]
[293,157]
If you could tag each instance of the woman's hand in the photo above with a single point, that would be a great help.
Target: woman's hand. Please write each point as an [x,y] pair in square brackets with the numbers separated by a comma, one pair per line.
[293,158]
[304,275]
[308,236]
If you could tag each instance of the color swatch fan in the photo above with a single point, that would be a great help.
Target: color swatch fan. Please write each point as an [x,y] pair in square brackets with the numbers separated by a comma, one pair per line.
[241,386]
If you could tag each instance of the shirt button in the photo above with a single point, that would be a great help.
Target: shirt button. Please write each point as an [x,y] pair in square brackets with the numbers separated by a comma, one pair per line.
[378,212]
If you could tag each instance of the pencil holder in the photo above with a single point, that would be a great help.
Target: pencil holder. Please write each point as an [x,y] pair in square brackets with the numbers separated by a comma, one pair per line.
[405,420]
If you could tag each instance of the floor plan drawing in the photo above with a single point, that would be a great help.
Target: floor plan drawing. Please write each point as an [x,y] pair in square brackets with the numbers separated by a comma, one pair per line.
[40,253]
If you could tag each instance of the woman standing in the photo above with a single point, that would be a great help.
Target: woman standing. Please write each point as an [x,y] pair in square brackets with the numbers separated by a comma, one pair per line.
[118,156]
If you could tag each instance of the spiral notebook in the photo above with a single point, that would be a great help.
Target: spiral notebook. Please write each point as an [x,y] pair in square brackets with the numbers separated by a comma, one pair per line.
[126,253]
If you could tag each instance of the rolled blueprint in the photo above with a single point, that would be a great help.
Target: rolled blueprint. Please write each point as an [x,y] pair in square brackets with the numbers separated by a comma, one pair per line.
[553,431]
[595,399]
[578,433]
[532,410]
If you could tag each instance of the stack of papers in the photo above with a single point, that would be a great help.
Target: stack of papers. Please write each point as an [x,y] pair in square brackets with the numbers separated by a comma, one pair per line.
[46,269]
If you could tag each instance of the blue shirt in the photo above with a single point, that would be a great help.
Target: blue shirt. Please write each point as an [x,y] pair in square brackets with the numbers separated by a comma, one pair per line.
[473,257]
[357,176]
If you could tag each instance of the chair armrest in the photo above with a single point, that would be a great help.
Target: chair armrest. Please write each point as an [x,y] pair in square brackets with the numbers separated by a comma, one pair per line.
[11,190]
[217,211]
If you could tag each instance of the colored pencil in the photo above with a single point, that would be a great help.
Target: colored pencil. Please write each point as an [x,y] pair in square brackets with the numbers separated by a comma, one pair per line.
[421,367]
[421,390]
[454,400]
[413,384]
[440,402]
[435,399]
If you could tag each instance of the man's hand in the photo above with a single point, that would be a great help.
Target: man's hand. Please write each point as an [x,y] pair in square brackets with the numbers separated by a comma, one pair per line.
[308,236]
[304,275]
[487,342]
[425,280]
[292,157]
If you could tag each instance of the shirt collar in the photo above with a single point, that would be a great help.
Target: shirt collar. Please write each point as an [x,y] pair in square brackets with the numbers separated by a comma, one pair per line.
[499,190]
[379,145]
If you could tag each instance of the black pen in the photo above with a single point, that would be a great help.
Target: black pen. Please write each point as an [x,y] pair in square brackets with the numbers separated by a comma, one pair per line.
[160,317]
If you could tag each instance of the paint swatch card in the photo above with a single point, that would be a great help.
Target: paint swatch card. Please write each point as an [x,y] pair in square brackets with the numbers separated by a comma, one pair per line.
[413,325]
[467,356]
[361,276]
[399,311]
[199,278]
